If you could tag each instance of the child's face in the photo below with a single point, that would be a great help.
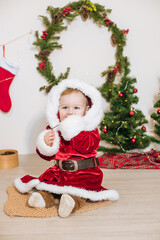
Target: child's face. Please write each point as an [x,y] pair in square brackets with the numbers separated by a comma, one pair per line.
[72,103]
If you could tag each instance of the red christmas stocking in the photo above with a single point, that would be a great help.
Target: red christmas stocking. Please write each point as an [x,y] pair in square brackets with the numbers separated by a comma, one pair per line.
[7,73]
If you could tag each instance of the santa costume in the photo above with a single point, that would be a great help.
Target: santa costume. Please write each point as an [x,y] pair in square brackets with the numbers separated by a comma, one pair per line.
[76,170]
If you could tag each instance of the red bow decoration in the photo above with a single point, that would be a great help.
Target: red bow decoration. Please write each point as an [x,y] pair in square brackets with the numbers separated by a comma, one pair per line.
[115,70]
[125,31]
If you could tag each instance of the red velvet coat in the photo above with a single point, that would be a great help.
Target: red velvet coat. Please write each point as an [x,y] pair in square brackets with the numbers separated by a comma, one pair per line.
[83,183]
[84,145]
[76,138]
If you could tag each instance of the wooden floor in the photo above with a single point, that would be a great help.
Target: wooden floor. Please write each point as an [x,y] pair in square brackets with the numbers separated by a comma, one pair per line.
[135,216]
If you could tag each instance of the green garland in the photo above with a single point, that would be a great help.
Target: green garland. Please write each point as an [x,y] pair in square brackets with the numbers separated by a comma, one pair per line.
[121,125]
[47,42]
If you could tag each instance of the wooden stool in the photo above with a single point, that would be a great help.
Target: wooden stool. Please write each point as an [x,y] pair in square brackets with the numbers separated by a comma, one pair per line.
[8,158]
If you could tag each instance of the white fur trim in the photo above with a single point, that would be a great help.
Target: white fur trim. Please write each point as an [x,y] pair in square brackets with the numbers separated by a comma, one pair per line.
[71,126]
[111,195]
[4,63]
[48,150]
[25,187]
[93,116]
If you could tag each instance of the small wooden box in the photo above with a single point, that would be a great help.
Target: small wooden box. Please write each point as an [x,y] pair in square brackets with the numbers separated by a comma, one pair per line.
[8,158]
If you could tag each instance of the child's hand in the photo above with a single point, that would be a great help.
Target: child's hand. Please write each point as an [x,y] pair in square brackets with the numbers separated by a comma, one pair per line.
[49,138]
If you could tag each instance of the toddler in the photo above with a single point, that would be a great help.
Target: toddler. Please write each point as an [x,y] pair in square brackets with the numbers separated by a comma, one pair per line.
[74,111]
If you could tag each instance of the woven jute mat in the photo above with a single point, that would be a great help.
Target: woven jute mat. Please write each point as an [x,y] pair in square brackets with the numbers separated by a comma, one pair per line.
[17,205]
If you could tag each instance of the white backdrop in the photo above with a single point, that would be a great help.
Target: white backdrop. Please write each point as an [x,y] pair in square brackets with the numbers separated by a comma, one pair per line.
[86,49]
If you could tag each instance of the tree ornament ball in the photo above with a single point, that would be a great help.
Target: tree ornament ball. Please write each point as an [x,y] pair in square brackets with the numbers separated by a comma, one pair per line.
[131,113]
[133,140]
[143,128]
[104,130]
[135,90]
[158,111]
[120,94]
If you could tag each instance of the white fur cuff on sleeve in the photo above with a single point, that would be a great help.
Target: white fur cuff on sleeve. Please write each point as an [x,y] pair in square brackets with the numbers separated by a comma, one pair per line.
[71,126]
[47,150]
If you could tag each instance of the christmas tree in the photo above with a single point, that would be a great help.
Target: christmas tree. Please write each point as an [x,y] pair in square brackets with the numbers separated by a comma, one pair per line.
[156,118]
[123,126]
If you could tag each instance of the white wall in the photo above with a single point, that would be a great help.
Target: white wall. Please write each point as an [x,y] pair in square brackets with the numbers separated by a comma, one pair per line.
[86,49]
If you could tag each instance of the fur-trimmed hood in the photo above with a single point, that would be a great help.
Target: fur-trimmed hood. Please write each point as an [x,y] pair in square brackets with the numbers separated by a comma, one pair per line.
[73,124]
[93,116]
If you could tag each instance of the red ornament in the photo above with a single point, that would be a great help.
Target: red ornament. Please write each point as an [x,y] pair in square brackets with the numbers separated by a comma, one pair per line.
[104,130]
[133,140]
[143,128]
[131,113]
[158,111]
[120,94]
[135,90]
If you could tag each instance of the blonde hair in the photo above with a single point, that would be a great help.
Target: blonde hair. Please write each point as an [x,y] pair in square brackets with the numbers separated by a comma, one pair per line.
[72,90]
[69,91]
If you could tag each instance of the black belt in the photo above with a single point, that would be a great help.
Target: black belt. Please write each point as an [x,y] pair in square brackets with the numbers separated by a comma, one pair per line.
[74,165]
